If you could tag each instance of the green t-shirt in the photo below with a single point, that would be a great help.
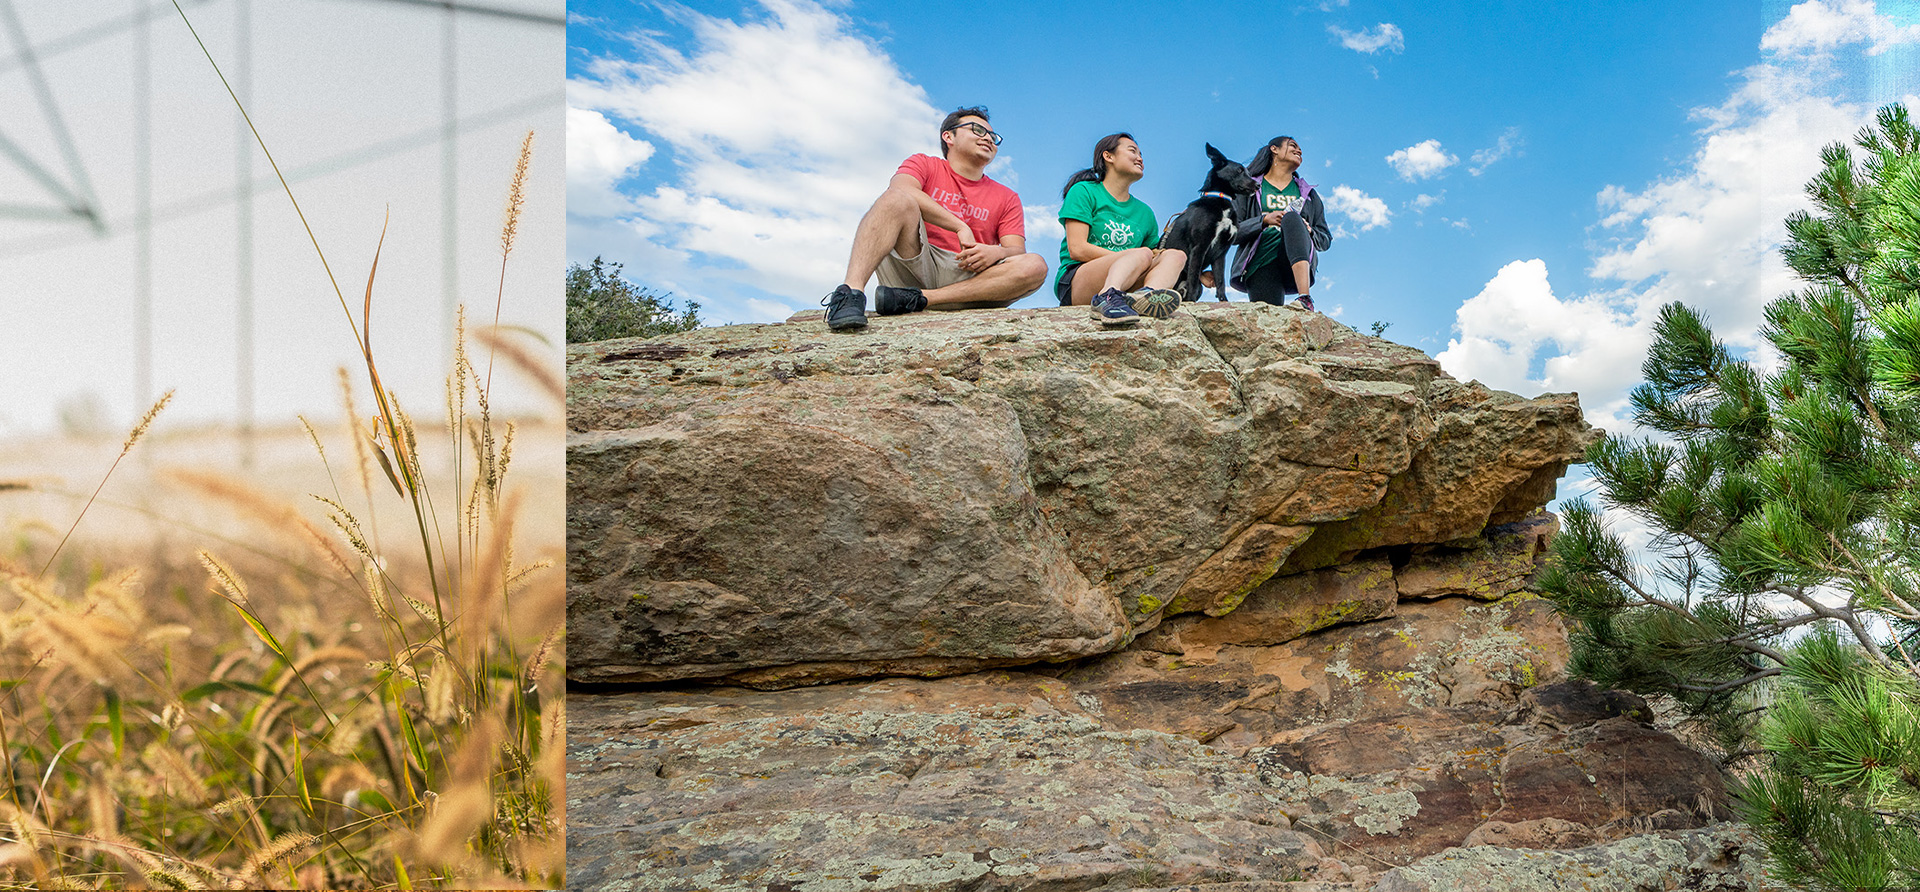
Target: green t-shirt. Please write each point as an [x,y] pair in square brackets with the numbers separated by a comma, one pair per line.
[1113,225]
[1271,199]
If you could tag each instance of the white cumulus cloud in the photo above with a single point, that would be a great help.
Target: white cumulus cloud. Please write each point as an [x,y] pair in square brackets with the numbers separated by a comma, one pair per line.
[781,131]
[1421,160]
[598,155]
[1043,226]
[1820,26]
[1384,36]
[1707,235]
[1359,207]
[1507,329]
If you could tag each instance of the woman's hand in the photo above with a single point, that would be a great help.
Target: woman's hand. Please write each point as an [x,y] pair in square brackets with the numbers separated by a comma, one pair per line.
[1273,218]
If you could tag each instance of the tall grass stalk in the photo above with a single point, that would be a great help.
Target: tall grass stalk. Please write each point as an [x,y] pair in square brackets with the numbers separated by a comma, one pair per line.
[139,430]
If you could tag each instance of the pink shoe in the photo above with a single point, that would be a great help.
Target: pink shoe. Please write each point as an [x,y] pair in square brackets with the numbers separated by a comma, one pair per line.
[1305,303]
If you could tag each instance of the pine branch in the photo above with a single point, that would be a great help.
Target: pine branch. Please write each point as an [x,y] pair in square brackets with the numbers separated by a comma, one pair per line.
[1730,685]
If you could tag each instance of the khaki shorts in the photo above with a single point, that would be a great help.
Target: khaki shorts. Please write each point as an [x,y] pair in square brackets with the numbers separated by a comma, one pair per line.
[933,267]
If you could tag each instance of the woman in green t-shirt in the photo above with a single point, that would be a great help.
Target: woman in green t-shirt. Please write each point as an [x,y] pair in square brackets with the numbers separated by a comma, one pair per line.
[1109,248]
[1283,228]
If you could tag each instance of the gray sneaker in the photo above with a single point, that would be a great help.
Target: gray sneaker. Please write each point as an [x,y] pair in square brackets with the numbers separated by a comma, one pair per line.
[1158,303]
[1113,308]
[846,308]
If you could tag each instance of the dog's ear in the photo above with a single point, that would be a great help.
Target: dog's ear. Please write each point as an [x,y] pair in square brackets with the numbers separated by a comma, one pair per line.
[1215,154]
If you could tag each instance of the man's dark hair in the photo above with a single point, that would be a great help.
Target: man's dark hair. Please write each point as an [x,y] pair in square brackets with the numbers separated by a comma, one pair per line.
[953,120]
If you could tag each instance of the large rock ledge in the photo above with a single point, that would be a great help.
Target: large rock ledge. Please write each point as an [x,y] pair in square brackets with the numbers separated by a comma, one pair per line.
[776,505]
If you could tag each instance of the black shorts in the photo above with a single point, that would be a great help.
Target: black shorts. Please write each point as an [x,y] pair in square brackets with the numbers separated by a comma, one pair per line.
[1063,289]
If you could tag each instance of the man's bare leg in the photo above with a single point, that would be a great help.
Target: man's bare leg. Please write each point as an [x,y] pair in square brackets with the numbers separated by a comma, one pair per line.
[892,224]
[996,286]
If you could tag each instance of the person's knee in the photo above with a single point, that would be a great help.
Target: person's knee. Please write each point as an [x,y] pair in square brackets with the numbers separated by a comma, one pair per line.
[1174,256]
[897,202]
[1029,269]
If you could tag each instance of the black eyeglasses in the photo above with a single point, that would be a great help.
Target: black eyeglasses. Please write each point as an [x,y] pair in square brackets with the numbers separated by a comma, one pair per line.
[978,131]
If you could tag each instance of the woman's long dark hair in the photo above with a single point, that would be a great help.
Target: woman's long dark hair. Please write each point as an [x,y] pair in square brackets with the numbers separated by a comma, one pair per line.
[1098,172]
[1257,168]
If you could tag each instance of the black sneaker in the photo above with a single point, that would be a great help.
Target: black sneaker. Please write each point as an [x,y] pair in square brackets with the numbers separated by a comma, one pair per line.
[891,301]
[1114,308]
[846,308]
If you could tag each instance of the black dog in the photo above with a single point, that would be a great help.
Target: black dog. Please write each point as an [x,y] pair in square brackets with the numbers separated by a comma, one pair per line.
[1205,228]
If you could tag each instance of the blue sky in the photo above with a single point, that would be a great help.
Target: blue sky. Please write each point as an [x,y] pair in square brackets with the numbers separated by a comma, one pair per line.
[1515,187]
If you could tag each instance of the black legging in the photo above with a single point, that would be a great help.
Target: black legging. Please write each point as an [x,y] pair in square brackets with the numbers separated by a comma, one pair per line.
[1273,282]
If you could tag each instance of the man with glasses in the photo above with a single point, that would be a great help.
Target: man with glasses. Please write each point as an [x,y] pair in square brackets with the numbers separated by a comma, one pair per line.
[944,236]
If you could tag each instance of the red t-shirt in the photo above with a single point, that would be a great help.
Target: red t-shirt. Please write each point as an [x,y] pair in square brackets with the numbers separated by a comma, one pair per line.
[990,209]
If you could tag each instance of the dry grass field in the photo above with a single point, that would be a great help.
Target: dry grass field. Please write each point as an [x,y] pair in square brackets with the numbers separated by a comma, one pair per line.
[337,665]
[252,677]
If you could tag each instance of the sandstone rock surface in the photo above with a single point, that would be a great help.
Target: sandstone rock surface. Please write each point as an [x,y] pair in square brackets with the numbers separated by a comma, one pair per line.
[1236,601]
[947,492]
[1013,780]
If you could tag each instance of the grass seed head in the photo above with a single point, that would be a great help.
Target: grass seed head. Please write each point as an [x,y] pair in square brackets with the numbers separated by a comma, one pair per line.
[140,430]
[284,846]
[516,196]
[236,588]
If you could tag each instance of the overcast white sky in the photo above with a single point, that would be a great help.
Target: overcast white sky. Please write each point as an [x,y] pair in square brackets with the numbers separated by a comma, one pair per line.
[348,92]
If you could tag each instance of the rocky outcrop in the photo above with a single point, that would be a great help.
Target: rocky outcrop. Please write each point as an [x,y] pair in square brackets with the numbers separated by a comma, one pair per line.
[1237,602]
[778,505]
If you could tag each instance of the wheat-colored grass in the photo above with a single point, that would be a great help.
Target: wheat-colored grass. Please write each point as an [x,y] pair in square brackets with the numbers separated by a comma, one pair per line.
[312,705]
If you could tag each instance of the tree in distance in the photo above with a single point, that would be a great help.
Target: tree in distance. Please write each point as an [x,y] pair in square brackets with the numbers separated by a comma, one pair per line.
[602,305]
[1779,599]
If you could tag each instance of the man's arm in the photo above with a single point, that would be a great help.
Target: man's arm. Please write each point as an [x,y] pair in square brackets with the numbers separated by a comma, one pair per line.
[935,213]
[974,258]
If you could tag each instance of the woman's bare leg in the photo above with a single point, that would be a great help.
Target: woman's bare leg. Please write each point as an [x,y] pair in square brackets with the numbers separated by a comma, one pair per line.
[1167,269]
[1120,270]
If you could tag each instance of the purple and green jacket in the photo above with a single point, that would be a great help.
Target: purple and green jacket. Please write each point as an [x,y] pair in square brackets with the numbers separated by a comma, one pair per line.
[1250,232]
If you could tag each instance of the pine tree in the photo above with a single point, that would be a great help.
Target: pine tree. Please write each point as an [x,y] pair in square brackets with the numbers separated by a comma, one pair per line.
[1780,600]
[602,305]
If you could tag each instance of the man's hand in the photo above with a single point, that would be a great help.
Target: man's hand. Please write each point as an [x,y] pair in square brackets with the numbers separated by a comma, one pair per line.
[965,235]
[977,257]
